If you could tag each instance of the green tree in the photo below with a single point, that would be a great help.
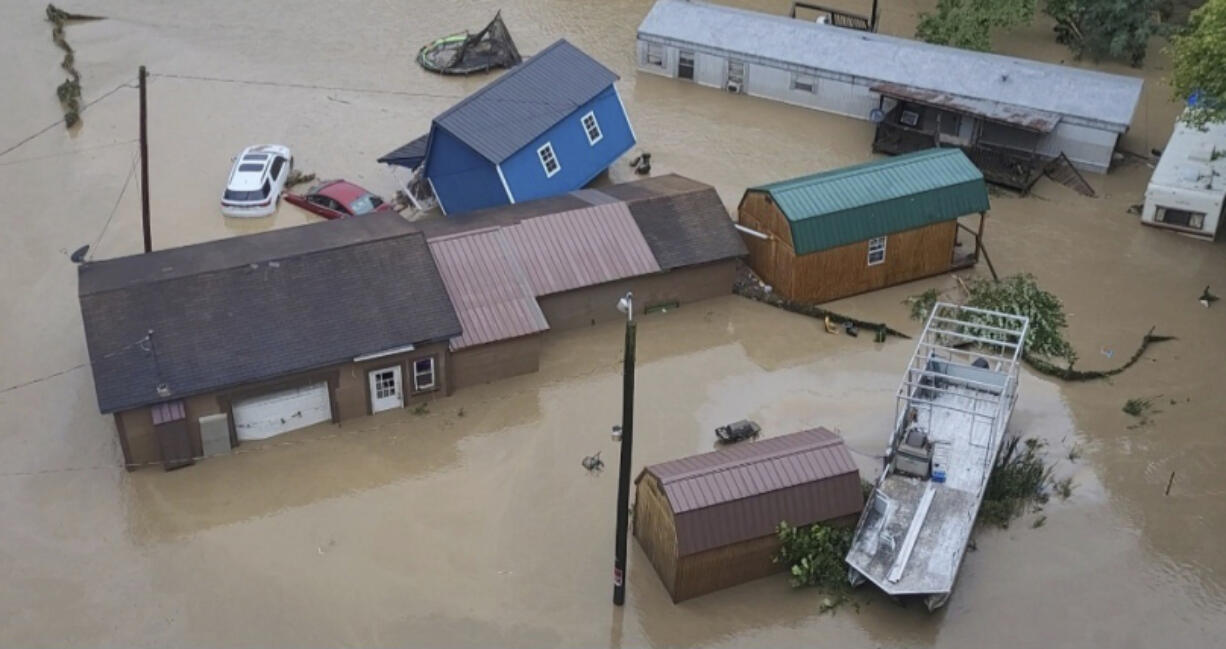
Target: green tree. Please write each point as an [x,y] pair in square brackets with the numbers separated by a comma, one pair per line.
[969,23]
[1198,55]
[1115,29]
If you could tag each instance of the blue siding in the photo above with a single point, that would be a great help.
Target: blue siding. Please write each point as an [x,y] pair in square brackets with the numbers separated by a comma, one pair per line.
[463,180]
[581,161]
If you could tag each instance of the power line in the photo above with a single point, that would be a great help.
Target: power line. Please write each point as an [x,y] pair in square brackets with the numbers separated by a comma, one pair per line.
[64,154]
[115,207]
[52,125]
[369,91]
[62,372]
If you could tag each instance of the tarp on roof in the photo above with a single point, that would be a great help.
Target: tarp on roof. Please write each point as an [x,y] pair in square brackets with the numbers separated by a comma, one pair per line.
[409,155]
[257,307]
[516,108]
[874,199]
[1091,97]
[742,492]
[488,287]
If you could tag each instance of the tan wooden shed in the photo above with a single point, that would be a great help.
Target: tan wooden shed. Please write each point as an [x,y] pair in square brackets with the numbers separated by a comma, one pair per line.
[708,521]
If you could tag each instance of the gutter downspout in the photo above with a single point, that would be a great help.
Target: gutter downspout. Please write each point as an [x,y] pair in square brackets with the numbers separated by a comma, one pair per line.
[751,232]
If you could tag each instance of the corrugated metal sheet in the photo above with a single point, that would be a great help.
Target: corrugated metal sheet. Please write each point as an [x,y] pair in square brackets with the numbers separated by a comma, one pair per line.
[1097,98]
[523,103]
[582,247]
[1039,121]
[873,199]
[488,287]
[742,492]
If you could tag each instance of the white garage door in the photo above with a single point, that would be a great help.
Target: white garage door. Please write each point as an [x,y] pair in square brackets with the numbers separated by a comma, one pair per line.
[272,414]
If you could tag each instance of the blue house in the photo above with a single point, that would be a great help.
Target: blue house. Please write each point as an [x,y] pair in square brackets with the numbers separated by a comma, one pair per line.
[548,126]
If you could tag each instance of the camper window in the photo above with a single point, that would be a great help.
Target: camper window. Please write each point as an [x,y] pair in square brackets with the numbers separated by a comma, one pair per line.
[1181,218]
[804,83]
[654,54]
[685,65]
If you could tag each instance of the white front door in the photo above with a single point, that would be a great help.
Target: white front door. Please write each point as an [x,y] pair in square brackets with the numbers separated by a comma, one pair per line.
[386,389]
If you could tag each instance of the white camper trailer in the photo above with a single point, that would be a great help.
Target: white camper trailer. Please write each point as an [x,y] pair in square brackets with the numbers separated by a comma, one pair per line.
[1188,188]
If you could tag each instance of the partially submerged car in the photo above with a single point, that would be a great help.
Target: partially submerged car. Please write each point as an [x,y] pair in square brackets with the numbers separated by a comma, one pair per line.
[256,181]
[339,199]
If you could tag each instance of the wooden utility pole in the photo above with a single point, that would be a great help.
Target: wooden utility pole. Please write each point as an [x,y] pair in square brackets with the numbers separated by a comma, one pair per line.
[144,164]
[623,467]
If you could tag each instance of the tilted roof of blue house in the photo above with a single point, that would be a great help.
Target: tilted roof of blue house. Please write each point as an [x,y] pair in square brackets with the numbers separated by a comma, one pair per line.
[504,116]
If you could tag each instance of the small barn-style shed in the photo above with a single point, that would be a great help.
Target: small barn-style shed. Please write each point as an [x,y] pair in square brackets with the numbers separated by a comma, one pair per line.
[865,227]
[709,521]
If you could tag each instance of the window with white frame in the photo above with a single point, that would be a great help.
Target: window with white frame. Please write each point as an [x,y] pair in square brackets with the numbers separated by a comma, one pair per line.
[592,128]
[423,374]
[876,251]
[549,160]
[804,83]
[654,54]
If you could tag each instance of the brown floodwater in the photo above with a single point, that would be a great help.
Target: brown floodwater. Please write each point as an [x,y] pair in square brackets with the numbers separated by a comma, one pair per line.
[473,524]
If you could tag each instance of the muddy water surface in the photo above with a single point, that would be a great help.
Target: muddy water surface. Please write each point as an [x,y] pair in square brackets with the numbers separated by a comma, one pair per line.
[474,524]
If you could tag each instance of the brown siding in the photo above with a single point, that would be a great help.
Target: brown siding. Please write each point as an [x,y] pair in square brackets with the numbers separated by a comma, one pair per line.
[493,361]
[730,565]
[353,388]
[348,384]
[596,304]
[654,529]
[842,271]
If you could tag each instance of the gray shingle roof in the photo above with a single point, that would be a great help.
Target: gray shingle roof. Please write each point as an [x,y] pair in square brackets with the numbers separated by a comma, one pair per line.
[686,228]
[257,307]
[1087,95]
[504,116]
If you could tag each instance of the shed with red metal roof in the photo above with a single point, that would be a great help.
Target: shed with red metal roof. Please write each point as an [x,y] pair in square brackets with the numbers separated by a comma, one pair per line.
[709,521]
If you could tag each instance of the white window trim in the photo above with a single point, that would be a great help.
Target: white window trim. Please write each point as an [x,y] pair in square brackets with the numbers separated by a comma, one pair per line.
[557,163]
[648,54]
[417,385]
[883,241]
[596,123]
[797,78]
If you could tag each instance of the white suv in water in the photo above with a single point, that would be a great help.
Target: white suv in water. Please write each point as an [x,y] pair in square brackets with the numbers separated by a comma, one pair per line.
[256,181]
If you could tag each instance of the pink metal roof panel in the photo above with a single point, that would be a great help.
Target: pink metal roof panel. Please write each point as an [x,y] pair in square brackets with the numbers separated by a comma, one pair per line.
[488,286]
[582,247]
[742,492]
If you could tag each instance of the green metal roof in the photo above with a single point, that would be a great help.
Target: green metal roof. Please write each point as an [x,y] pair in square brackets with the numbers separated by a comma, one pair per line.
[843,206]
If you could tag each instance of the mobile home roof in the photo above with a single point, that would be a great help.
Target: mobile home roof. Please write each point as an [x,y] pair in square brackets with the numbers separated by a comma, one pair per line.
[1094,98]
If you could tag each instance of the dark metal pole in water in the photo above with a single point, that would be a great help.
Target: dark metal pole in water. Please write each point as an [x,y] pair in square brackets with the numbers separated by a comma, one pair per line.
[144,165]
[623,473]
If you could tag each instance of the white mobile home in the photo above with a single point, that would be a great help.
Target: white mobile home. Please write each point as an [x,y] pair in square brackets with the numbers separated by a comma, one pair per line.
[1188,188]
[1003,111]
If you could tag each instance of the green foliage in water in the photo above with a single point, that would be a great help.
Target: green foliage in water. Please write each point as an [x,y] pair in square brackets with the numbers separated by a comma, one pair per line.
[1137,406]
[814,555]
[1018,295]
[1197,55]
[968,24]
[1105,29]
[1019,478]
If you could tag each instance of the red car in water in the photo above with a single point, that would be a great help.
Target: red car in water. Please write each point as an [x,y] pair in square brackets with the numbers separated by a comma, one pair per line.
[339,199]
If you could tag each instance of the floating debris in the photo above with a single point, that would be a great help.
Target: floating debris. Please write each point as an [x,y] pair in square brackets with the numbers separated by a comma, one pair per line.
[593,463]
[297,177]
[69,92]
[749,285]
[465,53]
[1207,298]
